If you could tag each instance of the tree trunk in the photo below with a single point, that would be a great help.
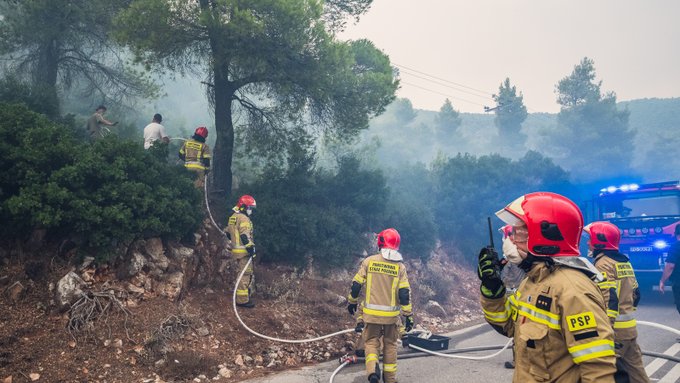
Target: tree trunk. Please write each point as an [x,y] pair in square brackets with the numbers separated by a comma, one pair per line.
[220,188]
[45,75]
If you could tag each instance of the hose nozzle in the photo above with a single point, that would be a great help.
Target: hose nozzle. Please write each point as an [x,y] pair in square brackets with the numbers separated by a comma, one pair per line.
[349,359]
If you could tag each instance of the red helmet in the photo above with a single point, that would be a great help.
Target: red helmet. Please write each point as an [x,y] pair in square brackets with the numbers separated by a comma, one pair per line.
[554,223]
[389,239]
[506,230]
[202,131]
[246,201]
[603,235]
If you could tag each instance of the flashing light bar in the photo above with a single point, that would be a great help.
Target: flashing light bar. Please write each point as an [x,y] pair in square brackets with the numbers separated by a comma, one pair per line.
[623,188]
[660,244]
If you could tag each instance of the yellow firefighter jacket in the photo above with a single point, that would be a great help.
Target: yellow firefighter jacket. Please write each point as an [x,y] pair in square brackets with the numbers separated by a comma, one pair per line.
[383,279]
[194,153]
[240,224]
[560,326]
[618,291]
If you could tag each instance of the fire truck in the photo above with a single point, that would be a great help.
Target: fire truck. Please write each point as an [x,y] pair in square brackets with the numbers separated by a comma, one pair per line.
[647,215]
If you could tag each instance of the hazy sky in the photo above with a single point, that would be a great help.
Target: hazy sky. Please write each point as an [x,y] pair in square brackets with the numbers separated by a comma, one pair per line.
[478,43]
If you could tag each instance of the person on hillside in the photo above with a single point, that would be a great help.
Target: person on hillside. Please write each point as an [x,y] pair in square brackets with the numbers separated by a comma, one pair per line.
[196,155]
[239,231]
[669,272]
[154,131]
[95,123]
[557,316]
[388,293]
[621,293]
[511,274]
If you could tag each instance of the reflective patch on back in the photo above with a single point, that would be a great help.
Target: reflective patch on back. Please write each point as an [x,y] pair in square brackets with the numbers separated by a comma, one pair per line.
[624,270]
[391,269]
[581,321]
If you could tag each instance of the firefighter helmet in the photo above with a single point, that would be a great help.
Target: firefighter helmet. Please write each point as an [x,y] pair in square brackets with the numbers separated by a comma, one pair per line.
[554,223]
[202,131]
[389,239]
[246,201]
[603,235]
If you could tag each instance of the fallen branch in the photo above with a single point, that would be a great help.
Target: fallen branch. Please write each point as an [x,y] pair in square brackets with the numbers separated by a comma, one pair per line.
[94,307]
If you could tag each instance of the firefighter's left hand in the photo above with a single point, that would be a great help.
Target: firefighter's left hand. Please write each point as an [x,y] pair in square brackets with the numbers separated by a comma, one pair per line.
[408,323]
[359,328]
[488,272]
[352,308]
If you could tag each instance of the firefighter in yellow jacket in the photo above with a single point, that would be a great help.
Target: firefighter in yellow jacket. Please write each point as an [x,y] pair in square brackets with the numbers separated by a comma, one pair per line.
[621,293]
[196,154]
[557,316]
[240,232]
[388,294]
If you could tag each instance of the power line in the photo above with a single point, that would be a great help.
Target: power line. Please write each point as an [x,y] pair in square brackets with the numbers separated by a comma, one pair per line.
[443,94]
[445,80]
[445,85]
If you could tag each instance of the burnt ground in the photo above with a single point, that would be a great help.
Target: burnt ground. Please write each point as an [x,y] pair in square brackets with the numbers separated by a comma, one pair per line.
[199,338]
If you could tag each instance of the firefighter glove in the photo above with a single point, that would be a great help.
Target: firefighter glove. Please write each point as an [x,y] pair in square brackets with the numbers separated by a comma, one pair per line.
[251,250]
[359,328]
[408,323]
[352,308]
[488,272]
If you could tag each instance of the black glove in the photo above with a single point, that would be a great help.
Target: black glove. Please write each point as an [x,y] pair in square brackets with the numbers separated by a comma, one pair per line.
[359,328]
[636,297]
[352,308]
[251,250]
[408,323]
[488,272]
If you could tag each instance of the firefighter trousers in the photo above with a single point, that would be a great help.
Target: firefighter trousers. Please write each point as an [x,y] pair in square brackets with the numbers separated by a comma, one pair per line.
[630,357]
[389,334]
[243,289]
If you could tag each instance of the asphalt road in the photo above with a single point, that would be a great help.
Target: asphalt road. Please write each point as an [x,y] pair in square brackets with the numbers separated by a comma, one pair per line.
[654,308]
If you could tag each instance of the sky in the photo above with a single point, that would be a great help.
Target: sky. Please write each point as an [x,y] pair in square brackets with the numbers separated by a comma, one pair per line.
[464,49]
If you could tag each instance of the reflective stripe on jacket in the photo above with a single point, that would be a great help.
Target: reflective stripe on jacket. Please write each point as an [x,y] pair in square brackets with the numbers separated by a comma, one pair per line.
[561,329]
[383,279]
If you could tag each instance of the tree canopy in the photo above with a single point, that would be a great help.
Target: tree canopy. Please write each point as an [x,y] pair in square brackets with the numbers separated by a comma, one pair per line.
[273,61]
[510,111]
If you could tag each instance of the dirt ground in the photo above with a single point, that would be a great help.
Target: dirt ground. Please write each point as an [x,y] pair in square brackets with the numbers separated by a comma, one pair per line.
[199,338]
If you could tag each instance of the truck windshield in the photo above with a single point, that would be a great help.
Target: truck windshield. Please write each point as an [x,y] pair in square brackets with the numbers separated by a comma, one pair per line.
[640,206]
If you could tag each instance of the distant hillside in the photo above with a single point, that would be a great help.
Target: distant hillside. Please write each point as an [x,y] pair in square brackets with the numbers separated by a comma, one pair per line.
[656,122]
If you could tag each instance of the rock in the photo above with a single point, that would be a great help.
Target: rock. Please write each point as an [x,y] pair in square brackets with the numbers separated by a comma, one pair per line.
[434,308]
[136,264]
[118,343]
[247,359]
[86,262]
[172,286]
[239,361]
[290,361]
[197,238]
[286,326]
[107,343]
[7,379]
[72,344]
[69,289]
[134,289]
[154,248]
[16,291]
[159,363]
[203,331]
[224,372]
[259,360]
[34,376]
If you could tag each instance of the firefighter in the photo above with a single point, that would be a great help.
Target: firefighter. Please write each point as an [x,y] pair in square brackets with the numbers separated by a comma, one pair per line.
[557,316]
[621,293]
[669,272]
[196,155]
[240,232]
[388,294]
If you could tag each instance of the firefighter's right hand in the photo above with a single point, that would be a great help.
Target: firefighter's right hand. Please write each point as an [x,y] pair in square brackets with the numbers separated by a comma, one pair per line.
[488,272]
[359,328]
[251,250]
[352,308]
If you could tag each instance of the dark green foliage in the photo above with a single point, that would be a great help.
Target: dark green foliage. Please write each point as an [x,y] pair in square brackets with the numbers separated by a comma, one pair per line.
[510,112]
[467,189]
[100,195]
[36,97]
[303,212]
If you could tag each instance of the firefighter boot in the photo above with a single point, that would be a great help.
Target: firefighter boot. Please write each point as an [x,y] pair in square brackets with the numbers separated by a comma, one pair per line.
[373,378]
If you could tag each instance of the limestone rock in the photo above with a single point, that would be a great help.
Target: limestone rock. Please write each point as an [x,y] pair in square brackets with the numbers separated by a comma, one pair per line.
[69,289]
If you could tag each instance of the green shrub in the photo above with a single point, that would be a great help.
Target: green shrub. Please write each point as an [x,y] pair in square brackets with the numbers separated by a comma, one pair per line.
[102,194]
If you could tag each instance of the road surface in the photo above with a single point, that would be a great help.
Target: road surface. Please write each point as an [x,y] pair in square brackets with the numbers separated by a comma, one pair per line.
[654,308]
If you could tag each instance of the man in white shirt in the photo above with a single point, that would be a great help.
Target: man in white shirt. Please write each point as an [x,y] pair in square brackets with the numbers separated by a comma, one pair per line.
[155,131]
